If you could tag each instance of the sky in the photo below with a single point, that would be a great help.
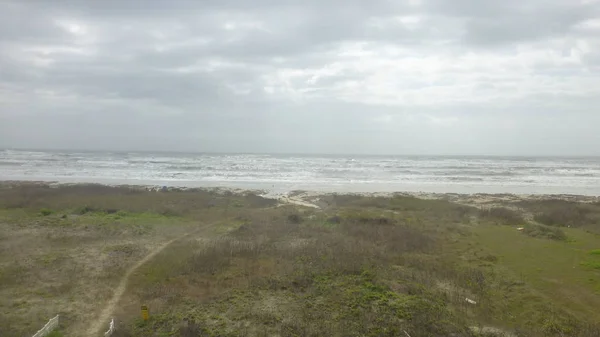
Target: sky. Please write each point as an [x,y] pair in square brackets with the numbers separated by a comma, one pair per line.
[474,77]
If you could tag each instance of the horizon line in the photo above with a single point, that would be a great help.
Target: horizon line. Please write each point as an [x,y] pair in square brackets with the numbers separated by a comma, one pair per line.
[298,153]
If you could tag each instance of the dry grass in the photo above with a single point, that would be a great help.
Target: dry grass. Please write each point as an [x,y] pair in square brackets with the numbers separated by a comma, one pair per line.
[503,215]
[360,267]
[62,249]
[352,270]
[63,267]
[563,213]
[87,198]
[297,279]
[547,232]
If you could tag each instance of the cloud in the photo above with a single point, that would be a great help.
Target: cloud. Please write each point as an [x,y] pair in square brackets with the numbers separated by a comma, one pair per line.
[418,76]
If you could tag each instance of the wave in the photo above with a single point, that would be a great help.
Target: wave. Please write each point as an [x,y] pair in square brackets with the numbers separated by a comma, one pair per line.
[295,169]
[189,168]
[463,179]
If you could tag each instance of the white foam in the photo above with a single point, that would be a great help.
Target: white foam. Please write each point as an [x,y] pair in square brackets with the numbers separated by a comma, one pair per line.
[322,173]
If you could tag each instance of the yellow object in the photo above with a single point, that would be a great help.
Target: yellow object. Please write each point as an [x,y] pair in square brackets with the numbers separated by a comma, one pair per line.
[145,314]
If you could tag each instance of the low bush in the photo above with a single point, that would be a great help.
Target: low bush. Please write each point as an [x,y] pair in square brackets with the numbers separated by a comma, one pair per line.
[46,211]
[294,219]
[335,220]
[545,232]
[83,210]
[562,213]
[502,215]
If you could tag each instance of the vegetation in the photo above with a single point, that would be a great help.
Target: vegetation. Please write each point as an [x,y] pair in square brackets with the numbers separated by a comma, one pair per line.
[55,333]
[561,213]
[595,252]
[359,266]
[46,212]
[547,232]
[503,215]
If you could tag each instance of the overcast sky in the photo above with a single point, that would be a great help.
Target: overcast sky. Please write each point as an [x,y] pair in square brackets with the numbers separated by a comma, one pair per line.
[516,77]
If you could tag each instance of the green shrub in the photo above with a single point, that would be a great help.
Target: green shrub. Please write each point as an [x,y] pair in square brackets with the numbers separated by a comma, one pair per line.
[595,252]
[502,215]
[84,210]
[591,264]
[122,214]
[563,214]
[46,211]
[545,232]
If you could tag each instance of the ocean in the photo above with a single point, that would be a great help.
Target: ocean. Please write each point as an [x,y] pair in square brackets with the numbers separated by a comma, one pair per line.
[332,173]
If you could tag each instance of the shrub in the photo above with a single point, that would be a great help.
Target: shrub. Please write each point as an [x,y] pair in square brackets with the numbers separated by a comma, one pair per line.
[46,211]
[559,213]
[254,200]
[168,212]
[503,215]
[294,219]
[545,232]
[336,220]
[84,210]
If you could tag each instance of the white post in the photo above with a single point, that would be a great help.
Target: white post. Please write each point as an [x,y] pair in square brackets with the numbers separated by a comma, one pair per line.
[111,328]
[48,328]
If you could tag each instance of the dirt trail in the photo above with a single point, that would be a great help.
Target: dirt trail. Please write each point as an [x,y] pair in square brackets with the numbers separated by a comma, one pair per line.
[98,326]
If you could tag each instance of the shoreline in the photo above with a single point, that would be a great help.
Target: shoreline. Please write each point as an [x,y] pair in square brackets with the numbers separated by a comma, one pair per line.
[326,174]
[340,188]
[311,198]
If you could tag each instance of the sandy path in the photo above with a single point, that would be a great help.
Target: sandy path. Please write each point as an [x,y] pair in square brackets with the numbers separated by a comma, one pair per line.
[101,323]
[298,201]
[98,326]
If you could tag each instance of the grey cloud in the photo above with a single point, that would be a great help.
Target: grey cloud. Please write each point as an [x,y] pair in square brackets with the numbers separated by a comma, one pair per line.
[491,22]
[138,84]
[522,25]
[170,75]
[27,24]
[151,8]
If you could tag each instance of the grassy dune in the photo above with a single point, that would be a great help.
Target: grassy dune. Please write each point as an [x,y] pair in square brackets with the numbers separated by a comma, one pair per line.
[358,266]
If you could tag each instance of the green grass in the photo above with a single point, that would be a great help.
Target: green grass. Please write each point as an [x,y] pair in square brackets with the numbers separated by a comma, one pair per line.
[593,261]
[55,333]
[591,264]
[556,271]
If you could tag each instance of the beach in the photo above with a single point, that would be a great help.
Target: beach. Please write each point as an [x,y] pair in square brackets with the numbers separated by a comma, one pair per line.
[299,168]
